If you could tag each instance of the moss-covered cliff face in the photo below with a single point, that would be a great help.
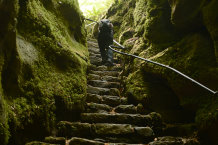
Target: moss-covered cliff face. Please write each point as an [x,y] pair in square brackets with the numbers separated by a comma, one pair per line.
[178,33]
[43,60]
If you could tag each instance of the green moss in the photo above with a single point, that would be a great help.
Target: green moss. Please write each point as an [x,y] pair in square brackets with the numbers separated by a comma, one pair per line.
[157,27]
[46,63]
[136,90]
[210,20]
[4,132]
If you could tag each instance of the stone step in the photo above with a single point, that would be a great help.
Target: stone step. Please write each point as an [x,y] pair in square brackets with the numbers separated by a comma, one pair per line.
[94,57]
[55,140]
[104,99]
[94,50]
[83,141]
[106,131]
[117,67]
[169,140]
[97,108]
[103,84]
[39,143]
[105,78]
[94,54]
[102,91]
[105,73]
[129,109]
[96,61]
[135,119]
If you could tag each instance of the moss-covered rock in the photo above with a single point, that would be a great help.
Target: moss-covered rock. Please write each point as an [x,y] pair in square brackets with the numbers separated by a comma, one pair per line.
[42,66]
[183,35]
[186,14]
[211,21]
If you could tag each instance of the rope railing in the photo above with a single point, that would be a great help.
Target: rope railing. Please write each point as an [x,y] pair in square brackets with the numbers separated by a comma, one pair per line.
[168,67]
[215,93]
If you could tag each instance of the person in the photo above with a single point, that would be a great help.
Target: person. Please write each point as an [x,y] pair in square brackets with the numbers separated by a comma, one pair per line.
[105,39]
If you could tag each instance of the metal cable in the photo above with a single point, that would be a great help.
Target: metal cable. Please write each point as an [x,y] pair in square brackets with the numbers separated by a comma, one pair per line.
[215,93]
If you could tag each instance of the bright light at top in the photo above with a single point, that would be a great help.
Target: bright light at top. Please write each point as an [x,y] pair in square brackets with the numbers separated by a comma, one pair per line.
[88,6]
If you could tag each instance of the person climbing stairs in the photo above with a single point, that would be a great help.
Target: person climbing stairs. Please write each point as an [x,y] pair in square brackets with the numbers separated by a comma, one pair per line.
[108,118]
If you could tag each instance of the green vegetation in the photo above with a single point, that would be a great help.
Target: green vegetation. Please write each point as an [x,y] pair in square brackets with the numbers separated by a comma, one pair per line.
[43,75]
[175,34]
[94,9]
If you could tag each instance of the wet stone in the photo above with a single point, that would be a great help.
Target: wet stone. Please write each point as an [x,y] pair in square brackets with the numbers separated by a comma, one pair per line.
[124,101]
[106,73]
[77,129]
[96,90]
[96,61]
[114,92]
[83,141]
[110,78]
[169,140]
[144,132]
[39,143]
[94,50]
[130,109]
[93,98]
[136,119]
[97,108]
[103,84]
[94,77]
[112,129]
[56,140]
[107,68]
[104,99]
[111,100]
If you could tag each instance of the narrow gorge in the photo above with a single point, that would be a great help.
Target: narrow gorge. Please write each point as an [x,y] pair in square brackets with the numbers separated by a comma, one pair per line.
[54,89]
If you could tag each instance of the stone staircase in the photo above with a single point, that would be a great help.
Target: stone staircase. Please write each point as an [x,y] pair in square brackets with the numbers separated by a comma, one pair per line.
[108,118]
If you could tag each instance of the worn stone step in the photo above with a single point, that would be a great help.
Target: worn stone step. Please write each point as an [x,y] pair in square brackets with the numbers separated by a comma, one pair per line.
[94,57]
[135,119]
[105,78]
[169,140]
[105,131]
[102,91]
[94,50]
[129,109]
[39,143]
[105,73]
[55,140]
[97,108]
[117,67]
[103,84]
[104,99]
[96,61]
[94,54]
[83,141]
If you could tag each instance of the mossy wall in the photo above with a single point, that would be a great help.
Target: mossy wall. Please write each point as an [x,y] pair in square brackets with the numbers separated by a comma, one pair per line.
[43,63]
[178,33]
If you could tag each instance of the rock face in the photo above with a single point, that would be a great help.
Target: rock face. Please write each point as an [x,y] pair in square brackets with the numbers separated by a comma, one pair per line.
[43,59]
[178,33]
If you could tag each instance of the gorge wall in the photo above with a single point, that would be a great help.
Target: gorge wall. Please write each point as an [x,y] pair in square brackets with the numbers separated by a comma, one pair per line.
[43,62]
[182,34]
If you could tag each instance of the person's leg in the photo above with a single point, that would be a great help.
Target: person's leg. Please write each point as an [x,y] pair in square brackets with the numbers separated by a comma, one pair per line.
[110,57]
[104,56]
